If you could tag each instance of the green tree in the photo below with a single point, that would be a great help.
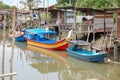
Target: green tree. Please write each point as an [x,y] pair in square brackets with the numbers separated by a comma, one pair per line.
[91,3]
[4,6]
[33,3]
[95,3]
[116,3]
[66,2]
[30,3]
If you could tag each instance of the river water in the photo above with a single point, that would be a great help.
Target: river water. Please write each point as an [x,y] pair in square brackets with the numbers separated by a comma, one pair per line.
[30,63]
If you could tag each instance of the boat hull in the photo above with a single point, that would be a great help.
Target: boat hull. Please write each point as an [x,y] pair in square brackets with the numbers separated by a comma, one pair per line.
[83,55]
[20,38]
[62,45]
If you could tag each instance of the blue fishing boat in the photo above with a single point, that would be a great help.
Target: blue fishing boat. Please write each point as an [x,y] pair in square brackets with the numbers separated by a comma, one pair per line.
[88,55]
[28,33]
[20,38]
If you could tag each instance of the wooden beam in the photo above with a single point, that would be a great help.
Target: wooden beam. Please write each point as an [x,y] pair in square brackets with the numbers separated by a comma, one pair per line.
[8,74]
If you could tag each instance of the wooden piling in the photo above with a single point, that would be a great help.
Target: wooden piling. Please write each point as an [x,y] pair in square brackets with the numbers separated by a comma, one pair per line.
[58,18]
[115,50]
[13,42]
[3,52]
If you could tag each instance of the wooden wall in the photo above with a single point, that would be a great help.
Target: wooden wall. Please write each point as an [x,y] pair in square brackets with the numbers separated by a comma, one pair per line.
[118,24]
[98,23]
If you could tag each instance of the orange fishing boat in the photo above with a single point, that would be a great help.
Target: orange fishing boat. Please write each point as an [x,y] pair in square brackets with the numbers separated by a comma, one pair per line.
[38,39]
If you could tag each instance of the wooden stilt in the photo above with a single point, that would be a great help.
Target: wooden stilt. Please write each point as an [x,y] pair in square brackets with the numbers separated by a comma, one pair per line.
[59,31]
[3,52]
[88,31]
[115,50]
[13,43]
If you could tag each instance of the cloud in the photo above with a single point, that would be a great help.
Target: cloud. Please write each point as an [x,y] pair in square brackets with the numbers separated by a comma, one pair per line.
[16,2]
[11,2]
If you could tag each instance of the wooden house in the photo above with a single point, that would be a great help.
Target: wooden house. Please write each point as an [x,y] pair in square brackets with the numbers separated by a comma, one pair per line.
[115,11]
[66,18]
[101,21]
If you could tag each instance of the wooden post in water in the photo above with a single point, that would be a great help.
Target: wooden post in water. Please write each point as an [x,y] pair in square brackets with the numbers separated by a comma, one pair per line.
[3,58]
[115,50]
[59,28]
[31,19]
[93,27]
[89,25]
[8,25]
[46,23]
[39,19]
[13,42]
[3,52]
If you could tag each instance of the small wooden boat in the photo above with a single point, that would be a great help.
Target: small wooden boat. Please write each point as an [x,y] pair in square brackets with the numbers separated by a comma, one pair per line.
[83,54]
[40,40]
[20,38]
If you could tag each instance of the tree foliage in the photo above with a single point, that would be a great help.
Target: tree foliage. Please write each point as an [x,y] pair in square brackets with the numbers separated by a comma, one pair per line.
[4,6]
[30,3]
[66,2]
[91,3]
[95,3]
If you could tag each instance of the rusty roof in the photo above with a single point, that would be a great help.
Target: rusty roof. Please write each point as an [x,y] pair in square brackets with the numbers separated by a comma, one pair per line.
[80,8]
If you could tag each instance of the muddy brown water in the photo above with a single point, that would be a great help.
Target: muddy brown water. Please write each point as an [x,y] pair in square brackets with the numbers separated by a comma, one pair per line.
[30,64]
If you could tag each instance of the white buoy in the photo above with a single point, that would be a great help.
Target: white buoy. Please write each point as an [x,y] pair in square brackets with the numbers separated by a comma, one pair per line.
[70,33]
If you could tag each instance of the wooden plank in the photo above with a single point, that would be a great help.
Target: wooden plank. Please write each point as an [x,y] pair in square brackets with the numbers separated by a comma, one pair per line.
[80,42]
[106,16]
[102,30]
[97,48]
[98,22]
[8,74]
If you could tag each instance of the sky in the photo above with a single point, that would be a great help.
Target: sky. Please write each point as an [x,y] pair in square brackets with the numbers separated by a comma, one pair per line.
[16,2]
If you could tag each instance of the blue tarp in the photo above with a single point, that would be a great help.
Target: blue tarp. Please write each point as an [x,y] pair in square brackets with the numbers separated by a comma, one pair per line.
[40,31]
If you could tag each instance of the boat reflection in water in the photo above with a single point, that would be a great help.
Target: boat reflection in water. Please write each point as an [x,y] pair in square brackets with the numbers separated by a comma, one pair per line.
[102,71]
[4,73]
[61,67]
[72,69]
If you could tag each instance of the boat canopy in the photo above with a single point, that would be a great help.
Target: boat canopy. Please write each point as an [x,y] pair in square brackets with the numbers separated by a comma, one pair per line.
[80,42]
[40,31]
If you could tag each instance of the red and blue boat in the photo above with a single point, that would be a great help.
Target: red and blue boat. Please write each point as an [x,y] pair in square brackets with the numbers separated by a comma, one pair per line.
[45,39]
